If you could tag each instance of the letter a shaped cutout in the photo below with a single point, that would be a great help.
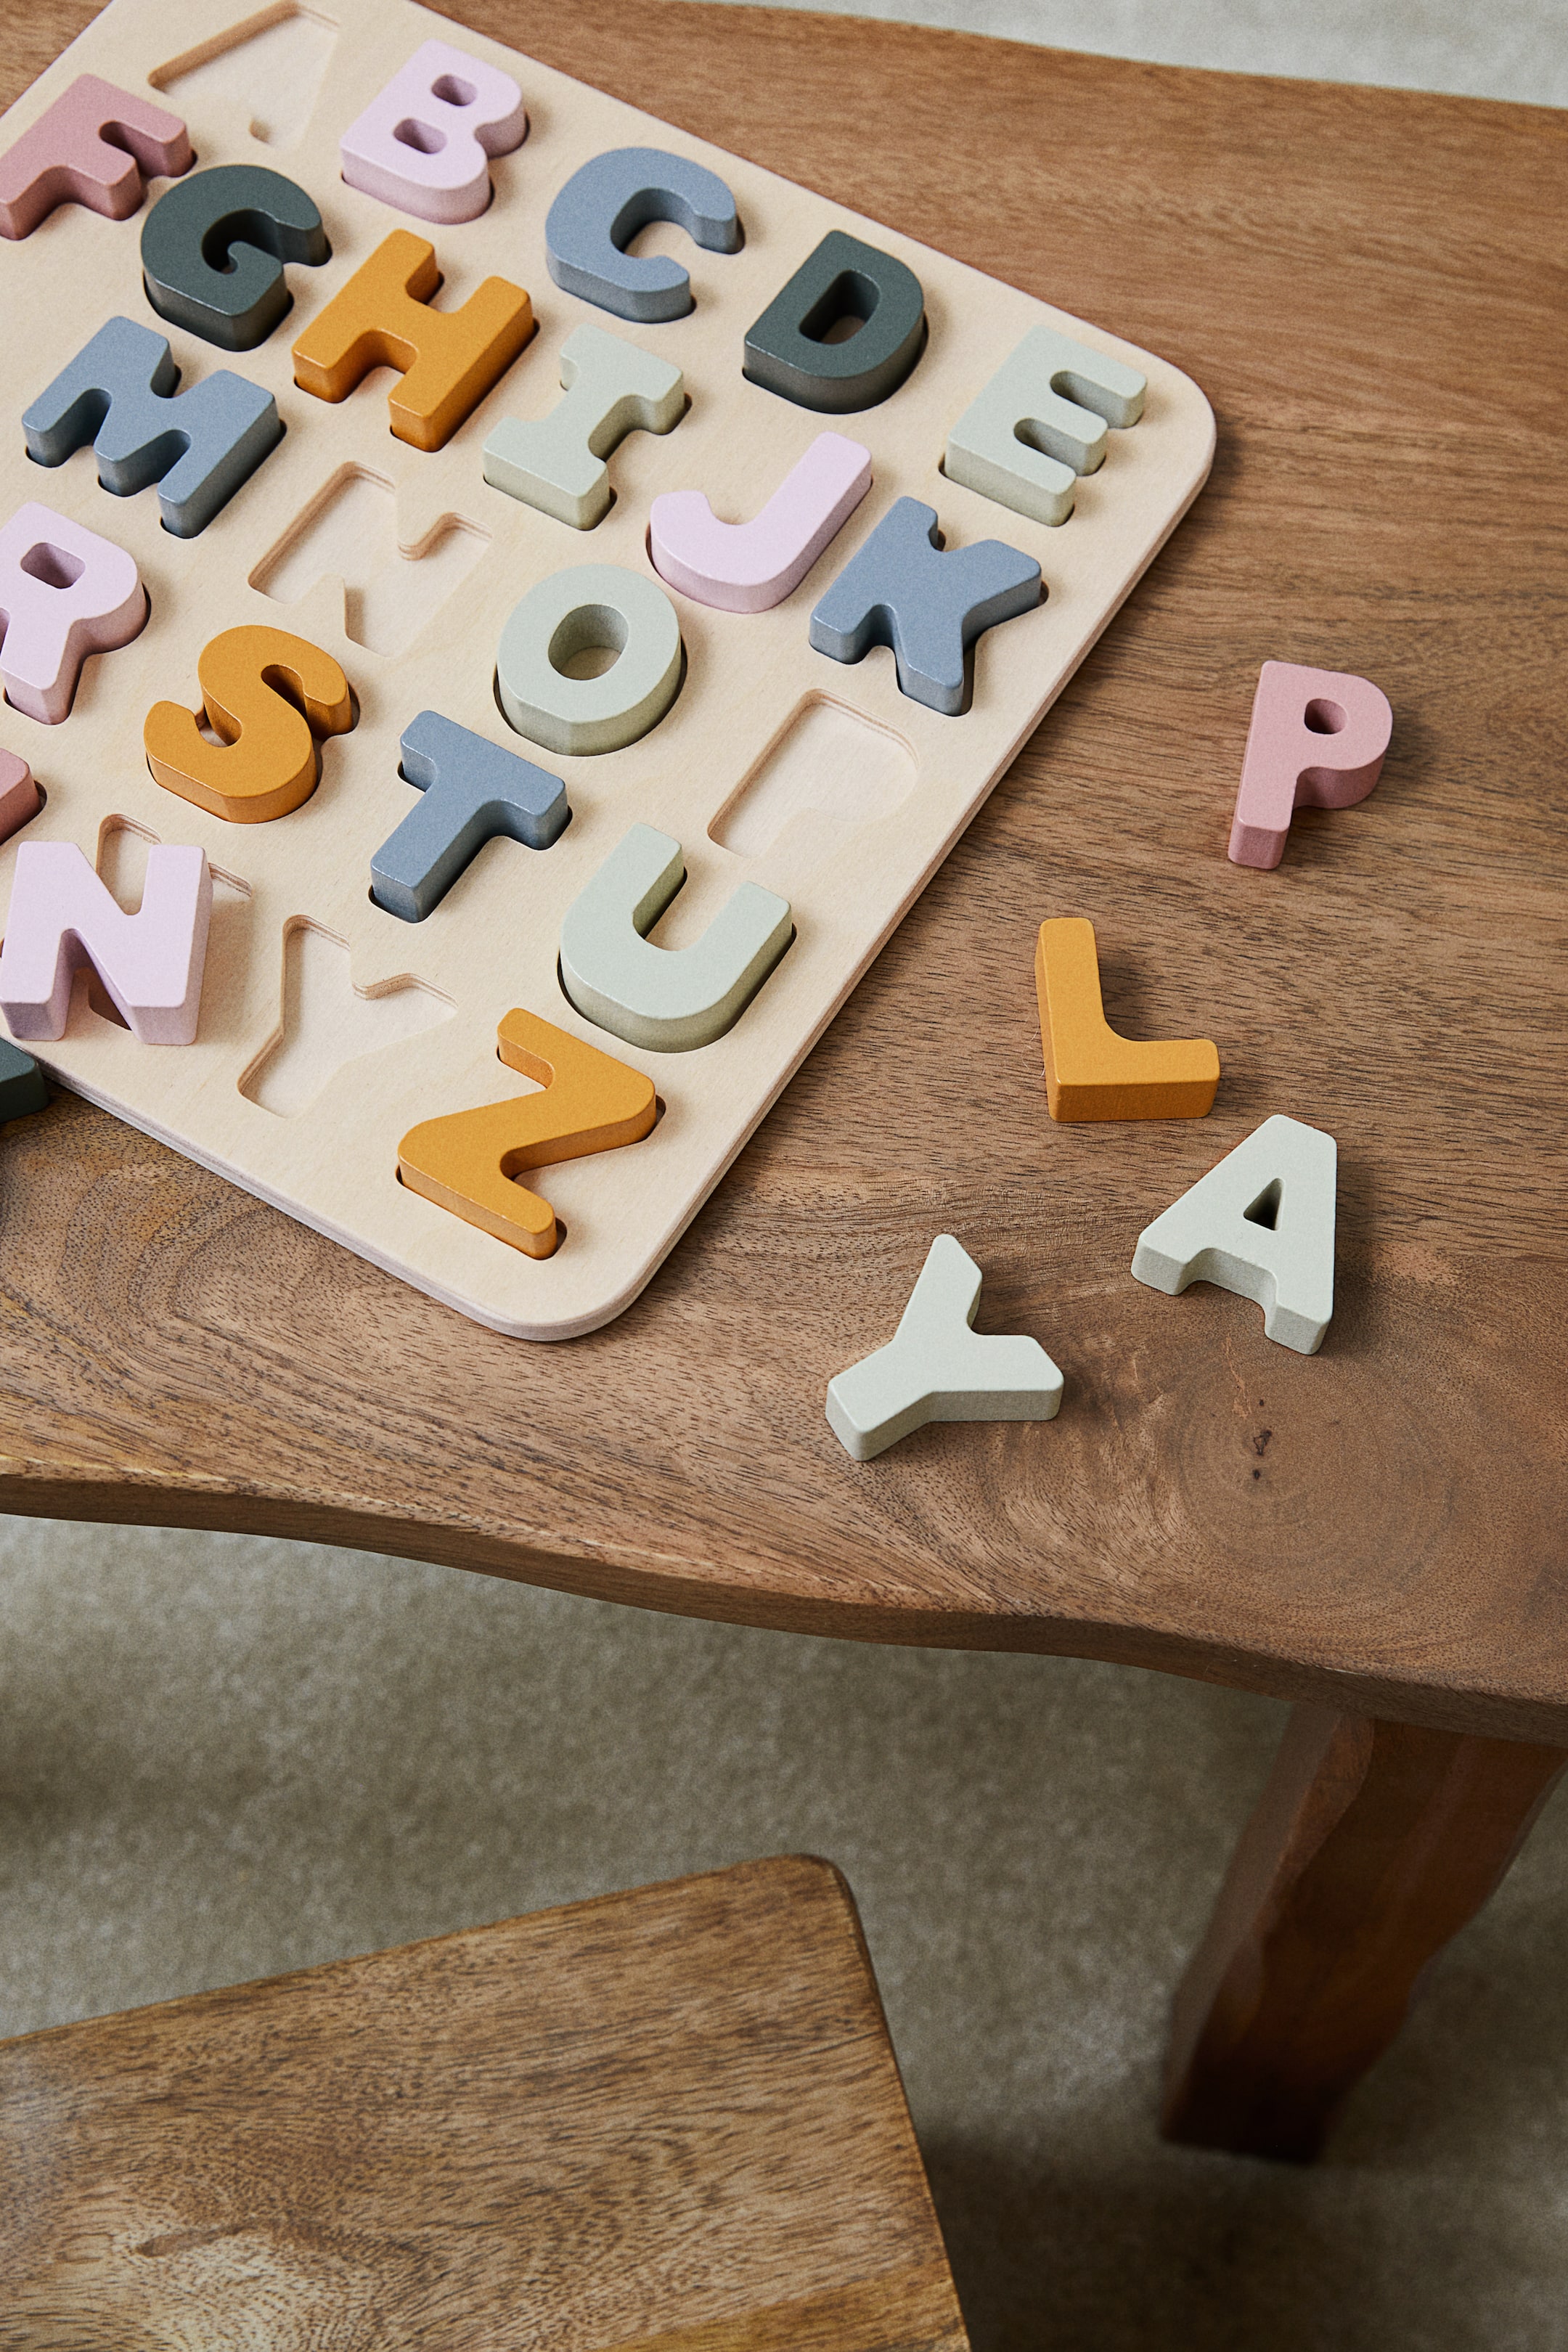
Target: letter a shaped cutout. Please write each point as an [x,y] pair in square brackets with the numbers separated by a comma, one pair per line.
[1262,1224]
[268,762]
[748,567]
[466,1162]
[1317,741]
[670,999]
[937,1367]
[150,963]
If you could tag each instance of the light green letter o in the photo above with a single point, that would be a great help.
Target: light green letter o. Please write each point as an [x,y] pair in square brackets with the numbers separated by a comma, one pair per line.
[590,605]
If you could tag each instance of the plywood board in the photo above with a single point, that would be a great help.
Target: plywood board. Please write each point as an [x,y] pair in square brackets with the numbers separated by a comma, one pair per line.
[776,764]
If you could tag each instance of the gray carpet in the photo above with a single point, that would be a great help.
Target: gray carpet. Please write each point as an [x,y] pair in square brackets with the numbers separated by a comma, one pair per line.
[222,1757]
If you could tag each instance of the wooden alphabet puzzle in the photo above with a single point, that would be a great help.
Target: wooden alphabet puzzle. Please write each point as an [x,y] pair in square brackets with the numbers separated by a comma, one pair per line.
[539,596]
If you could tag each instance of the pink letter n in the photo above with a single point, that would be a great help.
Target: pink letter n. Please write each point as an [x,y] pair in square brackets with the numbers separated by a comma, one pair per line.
[150,963]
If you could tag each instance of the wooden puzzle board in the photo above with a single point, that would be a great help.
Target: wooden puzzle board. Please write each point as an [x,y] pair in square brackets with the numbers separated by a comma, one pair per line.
[776,764]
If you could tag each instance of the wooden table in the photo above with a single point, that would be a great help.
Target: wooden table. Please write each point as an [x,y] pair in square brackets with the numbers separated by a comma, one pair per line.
[1367,284]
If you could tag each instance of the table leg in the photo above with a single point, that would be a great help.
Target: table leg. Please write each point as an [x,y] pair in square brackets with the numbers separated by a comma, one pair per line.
[1373,1844]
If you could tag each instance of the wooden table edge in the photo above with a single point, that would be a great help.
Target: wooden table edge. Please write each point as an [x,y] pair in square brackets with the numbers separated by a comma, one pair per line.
[90,1493]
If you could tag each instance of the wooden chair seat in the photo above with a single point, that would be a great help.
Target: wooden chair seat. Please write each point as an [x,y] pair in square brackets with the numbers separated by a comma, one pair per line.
[671,2118]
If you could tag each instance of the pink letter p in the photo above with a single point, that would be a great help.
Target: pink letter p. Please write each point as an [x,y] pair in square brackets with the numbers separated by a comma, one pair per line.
[1317,741]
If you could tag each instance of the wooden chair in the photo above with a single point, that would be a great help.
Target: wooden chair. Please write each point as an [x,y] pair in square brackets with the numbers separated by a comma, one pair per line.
[671,2118]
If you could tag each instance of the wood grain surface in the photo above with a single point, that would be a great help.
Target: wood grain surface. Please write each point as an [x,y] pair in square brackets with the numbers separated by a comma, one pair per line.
[669,2120]
[1368,285]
